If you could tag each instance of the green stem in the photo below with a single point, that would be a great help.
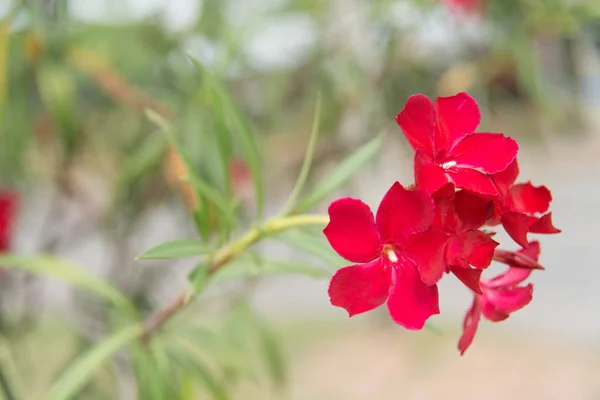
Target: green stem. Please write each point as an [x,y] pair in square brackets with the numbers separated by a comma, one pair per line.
[224,256]
[310,153]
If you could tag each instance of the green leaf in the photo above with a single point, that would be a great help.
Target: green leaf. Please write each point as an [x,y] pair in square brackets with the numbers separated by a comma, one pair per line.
[150,381]
[240,127]
[190,356]
[188,387]
[82,369]
[272,355]
[201,187]
[267,344]
[145,158]
[313,244]
[71,274]
[340,175]
[308,158]
[198,277]
[179,248]
[247,267]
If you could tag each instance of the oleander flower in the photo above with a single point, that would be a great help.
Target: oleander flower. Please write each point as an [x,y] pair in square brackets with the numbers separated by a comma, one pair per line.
[392,252]
[522,208]
[447,149]
[500,297]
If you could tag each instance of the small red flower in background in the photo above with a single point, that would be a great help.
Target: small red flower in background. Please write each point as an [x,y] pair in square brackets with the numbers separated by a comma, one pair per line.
[8,213]
[501,296]
[467,6]
[522,207]
[393,251]
[446,147]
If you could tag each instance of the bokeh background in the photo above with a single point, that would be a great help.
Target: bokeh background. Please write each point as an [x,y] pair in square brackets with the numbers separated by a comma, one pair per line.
[97,184]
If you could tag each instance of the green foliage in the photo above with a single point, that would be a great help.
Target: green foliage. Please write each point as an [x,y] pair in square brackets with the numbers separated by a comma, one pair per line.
[80,372]
[71,274]
[176,249]
[340,175]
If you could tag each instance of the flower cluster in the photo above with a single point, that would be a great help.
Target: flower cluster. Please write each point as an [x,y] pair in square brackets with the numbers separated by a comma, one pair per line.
[464,181]
[8,211]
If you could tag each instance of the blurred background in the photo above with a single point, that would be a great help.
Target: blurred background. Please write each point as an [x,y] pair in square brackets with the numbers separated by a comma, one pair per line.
[91,180]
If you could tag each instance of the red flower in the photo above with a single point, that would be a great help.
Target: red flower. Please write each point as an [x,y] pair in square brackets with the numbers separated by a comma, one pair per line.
[8,211]
[522,208]
[500,297]
[446,147]
[467,6]
[469,250]
[393,251]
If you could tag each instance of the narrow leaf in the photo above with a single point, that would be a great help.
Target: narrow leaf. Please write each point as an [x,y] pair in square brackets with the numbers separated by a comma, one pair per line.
[267,344]
[81,371]
[201,187]
[150,382]
[340,175]
[71,274]
[248,267]
[193,358]
[4,45]
[198,278]
[179,248]
[308,158]
[315,245]
[240,127]
[146,157]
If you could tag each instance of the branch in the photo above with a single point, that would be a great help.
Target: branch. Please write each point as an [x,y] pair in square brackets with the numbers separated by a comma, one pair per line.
[228,253]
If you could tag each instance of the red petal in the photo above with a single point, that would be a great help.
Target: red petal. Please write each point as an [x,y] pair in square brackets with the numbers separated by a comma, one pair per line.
[458,116]
[529,199]
[478,248]
[474,181]
[445,217]
[490,311]
[351,230]
[504,179]
[427,251]
[512,277]
[492,152]
[532,251]
[469,276]
[470,324]
[360,288]
[516,274]
[428,175]
[418,122]
[544,225]
[404,212]
[411,302]
[472,211]
[516,260]
[8,214]
[510,300]
[517,226]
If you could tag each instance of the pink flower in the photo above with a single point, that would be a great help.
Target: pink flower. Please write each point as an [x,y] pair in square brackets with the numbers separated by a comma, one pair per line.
[446,148]
[8,211]
[392,252]
[501,296]
[469,250]
[522,207]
